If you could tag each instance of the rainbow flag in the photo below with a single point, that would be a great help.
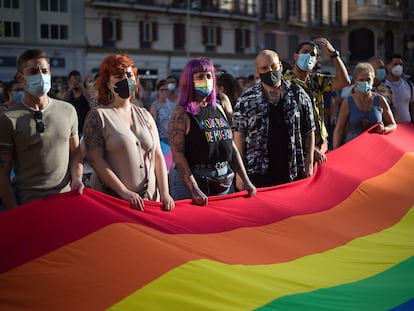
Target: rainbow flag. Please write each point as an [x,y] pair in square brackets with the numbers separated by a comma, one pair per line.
[340,240]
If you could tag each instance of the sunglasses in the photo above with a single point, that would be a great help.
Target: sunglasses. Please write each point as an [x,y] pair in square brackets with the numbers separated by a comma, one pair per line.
[40,126]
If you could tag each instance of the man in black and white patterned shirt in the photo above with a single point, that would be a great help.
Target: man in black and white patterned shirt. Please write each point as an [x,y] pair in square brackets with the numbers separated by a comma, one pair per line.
[273,126]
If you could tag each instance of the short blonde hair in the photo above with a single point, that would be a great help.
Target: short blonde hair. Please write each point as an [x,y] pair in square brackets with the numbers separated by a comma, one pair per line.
[362,68]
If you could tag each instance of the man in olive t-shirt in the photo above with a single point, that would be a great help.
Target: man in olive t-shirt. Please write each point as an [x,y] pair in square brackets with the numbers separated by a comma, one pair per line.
[38,139]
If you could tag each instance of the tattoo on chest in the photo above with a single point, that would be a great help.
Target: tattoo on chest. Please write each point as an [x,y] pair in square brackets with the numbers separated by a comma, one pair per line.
[274,96]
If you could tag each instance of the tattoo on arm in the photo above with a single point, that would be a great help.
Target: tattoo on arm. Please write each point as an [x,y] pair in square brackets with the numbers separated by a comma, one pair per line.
[176,130]
[92,132]
[176,139]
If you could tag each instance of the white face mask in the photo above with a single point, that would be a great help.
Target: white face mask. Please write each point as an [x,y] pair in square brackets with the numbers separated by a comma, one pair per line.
[397,71]
[171,86]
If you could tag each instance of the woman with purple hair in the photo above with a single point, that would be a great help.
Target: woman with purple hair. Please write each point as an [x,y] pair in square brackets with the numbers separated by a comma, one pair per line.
[204,155]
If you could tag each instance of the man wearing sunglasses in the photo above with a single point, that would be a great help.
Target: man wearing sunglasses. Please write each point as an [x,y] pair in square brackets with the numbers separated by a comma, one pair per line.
[38,139]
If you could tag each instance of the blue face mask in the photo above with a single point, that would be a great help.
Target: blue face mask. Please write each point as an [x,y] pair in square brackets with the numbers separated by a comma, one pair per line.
[38,85]
[364,87]
[306,62]
[380,74]
[18,96]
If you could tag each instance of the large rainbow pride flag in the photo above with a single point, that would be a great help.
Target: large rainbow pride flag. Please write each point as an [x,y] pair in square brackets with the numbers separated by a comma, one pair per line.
[340,240]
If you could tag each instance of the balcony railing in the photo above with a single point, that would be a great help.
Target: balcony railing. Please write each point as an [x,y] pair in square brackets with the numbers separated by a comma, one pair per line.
[196,7]
[375,9]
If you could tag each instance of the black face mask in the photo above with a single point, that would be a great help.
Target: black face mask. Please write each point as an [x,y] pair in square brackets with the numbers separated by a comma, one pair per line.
[125,88]
[271,78]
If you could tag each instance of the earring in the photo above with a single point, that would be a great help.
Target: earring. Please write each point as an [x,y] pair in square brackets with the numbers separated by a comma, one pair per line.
[110,97]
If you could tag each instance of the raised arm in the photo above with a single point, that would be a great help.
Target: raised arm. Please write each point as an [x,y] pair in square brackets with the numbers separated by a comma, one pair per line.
[341,73]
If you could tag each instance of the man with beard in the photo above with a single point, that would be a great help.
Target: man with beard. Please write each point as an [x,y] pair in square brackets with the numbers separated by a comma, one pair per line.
[274,127]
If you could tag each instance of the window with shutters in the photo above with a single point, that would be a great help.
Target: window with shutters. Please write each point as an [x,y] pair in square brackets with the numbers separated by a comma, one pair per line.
[293,42]
[9,4]
[240,6]
[335,12]
[179,36]
[211,38]
[242,40]
[294,10]
[315,12]
[148,33]
[270,41]
[54,32]
[54,5]
[209,5]
[111,31]
[269,9]
[9,29]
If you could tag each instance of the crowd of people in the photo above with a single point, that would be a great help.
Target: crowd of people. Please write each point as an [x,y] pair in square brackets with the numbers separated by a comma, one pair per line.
[226,133]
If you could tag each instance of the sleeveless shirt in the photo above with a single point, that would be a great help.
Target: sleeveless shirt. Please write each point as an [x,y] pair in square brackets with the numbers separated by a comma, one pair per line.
[210,138]
[360,121]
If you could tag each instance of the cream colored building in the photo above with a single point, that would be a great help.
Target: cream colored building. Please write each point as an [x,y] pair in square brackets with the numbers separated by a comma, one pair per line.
[162,35]
[359,29]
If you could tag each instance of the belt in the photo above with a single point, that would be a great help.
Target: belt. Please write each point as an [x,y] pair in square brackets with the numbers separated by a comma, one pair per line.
[212,166]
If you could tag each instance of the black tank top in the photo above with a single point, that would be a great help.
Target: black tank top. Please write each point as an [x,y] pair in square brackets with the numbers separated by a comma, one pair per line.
[210,138]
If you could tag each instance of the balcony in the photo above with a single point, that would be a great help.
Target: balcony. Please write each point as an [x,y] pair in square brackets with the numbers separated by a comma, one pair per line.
[375,10]
[226,8]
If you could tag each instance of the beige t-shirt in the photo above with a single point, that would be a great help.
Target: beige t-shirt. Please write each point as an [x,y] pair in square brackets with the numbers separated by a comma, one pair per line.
[41,160]
[129,153]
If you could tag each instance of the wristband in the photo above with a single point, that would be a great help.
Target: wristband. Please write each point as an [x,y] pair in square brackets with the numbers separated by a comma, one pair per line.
[335,54]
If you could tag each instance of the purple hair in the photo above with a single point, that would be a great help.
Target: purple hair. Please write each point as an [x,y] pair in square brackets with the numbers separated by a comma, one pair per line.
[187,96]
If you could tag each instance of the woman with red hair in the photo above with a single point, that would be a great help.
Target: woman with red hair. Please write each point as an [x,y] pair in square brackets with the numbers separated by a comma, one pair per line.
[121,140]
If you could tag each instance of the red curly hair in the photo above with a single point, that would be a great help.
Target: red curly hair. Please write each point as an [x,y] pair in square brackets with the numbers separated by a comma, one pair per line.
[110,65]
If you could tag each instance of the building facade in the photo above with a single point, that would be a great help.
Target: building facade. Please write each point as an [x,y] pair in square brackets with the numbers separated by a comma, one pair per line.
[55,26]
[359,29]
[162,35]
